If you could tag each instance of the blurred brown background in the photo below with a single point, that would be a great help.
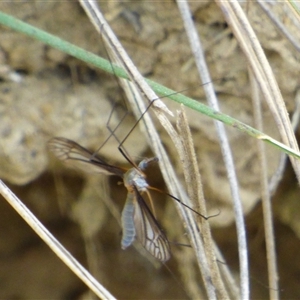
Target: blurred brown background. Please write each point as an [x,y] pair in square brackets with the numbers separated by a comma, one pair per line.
[45,93]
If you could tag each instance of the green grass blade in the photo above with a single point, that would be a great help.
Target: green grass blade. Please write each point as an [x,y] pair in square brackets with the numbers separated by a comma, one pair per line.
[106,66]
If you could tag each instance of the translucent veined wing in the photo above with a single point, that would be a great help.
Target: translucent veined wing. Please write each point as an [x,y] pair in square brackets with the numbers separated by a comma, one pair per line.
[147,229]
[77,156]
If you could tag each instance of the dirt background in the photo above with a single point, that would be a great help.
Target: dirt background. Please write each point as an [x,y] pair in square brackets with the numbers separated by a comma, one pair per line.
[45,93]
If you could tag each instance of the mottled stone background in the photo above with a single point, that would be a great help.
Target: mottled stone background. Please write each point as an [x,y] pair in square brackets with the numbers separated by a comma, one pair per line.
[45,93]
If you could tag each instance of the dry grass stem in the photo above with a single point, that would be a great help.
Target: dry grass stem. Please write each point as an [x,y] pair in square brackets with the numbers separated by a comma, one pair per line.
[195,192]
[266,197]
[280,25]
[203,71]
[262,71]
[229,280]
[141,87]
[232,164]
[278,174]
[53,243]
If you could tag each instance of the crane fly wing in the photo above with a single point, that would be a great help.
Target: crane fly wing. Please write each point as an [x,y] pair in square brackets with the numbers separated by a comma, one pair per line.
[148,231]
[79,157]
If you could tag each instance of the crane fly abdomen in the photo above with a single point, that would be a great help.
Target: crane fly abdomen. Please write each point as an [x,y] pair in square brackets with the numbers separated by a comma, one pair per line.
[128,225]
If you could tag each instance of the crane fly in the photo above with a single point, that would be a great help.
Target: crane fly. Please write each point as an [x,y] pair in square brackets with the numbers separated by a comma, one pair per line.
[138,221]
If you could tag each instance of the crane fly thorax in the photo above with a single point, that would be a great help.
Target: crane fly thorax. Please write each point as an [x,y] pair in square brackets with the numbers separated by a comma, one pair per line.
[135,177]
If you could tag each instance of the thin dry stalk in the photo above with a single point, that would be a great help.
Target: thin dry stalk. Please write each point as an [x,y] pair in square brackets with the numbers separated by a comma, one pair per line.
[203,71]
[53,243]
[141,87]
[277,176]
[262,71]
[195,191]
[266,197]
[228,278]
[280,25]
